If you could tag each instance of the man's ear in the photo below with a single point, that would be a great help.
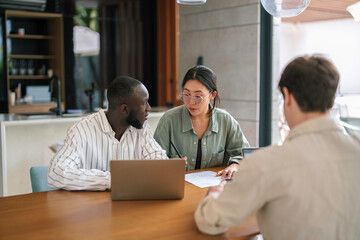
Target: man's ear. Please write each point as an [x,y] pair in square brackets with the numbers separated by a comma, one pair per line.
[124,109]
[287,99]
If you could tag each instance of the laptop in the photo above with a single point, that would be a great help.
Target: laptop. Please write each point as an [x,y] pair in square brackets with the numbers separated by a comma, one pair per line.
[147,179]
[247,151]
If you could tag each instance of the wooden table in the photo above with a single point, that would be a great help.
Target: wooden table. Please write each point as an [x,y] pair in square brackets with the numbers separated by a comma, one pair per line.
[93,215]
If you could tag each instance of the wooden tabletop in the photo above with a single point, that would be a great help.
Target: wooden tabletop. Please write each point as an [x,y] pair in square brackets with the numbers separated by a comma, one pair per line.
[93,215]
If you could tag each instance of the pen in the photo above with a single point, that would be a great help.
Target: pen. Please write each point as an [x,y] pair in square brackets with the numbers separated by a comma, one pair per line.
[177,151]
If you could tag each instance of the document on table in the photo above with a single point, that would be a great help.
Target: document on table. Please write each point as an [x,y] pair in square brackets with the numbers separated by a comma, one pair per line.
[203,179]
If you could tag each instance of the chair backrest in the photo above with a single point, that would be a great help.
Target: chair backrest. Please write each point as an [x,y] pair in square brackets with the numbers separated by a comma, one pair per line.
[351,125]
[38,176]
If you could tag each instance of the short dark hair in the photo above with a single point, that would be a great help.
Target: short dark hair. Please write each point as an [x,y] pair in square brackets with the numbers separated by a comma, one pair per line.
[313,81]
[120,89]
[207,77]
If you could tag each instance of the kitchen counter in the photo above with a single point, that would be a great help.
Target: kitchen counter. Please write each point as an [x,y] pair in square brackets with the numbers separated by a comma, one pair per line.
[18,117]
[11,117]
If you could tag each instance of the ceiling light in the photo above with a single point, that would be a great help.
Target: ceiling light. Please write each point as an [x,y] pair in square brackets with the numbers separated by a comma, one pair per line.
[191,2]
[285,8]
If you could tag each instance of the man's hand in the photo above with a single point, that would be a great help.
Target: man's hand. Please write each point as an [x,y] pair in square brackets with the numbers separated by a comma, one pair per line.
[229,171]
[216,190]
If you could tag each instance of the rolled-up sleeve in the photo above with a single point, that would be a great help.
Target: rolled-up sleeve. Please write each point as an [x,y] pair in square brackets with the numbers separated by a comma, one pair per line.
[151,149]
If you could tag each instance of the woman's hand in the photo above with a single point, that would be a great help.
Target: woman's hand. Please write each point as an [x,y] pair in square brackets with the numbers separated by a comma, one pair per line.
[228,171]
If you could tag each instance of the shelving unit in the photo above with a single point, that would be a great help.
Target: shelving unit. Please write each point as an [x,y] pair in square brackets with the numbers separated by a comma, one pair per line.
[28,77]
[42,45]
[29,36]
[23,56]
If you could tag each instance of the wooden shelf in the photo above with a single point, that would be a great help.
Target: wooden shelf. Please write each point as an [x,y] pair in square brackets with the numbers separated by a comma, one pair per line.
[32,108]
[30,36]
[44,46]
[28,14]
[28,77]
[28,56]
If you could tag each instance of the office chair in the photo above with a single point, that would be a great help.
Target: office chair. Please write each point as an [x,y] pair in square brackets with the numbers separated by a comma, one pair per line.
[38,176]
[351,125]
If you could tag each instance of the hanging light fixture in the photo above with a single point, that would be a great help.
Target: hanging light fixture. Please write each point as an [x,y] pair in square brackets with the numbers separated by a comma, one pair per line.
[285,8]
[191,2]
[277,8]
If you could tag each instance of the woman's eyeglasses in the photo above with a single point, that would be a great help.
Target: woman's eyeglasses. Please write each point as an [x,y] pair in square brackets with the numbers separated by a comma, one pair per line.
[185,97]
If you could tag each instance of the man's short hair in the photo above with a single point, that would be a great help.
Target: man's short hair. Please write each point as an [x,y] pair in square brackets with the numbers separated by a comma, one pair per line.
[313,81]
[120,89]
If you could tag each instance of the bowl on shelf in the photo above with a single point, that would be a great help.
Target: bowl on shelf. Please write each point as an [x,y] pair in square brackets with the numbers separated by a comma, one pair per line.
[30,71]
[14,71]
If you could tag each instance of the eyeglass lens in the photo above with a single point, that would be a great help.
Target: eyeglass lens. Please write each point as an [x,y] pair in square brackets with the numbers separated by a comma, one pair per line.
[197,99]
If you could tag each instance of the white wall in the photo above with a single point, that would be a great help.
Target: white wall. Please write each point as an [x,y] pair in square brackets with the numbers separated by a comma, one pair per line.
[339,39]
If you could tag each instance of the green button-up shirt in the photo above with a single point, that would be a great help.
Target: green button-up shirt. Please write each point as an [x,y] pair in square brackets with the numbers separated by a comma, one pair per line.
[221,143]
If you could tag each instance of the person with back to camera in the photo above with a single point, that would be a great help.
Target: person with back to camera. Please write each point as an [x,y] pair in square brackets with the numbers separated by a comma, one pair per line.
[121,133]
[308,188]
[205,134]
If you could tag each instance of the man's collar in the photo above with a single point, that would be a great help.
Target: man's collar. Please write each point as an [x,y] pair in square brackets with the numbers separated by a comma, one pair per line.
[318,124]
[105,126]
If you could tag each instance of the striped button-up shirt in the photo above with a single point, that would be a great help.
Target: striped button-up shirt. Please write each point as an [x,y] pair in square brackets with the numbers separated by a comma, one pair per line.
[83,162]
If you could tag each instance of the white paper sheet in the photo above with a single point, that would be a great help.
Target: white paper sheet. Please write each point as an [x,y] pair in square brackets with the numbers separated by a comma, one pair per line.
[203,179]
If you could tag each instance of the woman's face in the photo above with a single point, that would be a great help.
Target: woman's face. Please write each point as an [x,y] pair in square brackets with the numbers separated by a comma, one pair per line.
[197,97]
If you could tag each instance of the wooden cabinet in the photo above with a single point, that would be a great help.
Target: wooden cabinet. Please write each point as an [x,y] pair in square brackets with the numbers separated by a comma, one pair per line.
[34,42]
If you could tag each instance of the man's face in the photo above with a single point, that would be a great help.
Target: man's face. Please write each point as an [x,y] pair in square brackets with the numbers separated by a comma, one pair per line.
[139,107]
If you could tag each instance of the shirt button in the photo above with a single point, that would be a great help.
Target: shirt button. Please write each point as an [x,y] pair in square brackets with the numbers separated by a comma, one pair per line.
[204,143]
[195,143]
[192,160]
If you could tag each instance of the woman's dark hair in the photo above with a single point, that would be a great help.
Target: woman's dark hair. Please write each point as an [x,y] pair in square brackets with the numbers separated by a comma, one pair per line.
[313,80]
[207,77]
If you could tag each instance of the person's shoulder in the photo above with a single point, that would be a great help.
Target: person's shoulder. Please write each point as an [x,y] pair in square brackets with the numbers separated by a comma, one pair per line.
[175,110]
[88,120]
[92,118]
[276,158]
[222,114]
[173,113]
[267,158]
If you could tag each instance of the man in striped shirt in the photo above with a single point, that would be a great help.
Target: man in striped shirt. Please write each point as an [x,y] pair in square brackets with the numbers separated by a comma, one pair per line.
[120,133]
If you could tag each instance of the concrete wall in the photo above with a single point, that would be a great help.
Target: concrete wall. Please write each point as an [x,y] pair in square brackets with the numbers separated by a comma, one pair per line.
[227,35]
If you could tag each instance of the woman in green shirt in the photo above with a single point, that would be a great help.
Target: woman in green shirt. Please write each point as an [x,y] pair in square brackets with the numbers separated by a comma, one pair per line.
[206,135]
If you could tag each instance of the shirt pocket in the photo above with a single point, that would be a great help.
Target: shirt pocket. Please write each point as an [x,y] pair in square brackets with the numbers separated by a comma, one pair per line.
[216,159]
